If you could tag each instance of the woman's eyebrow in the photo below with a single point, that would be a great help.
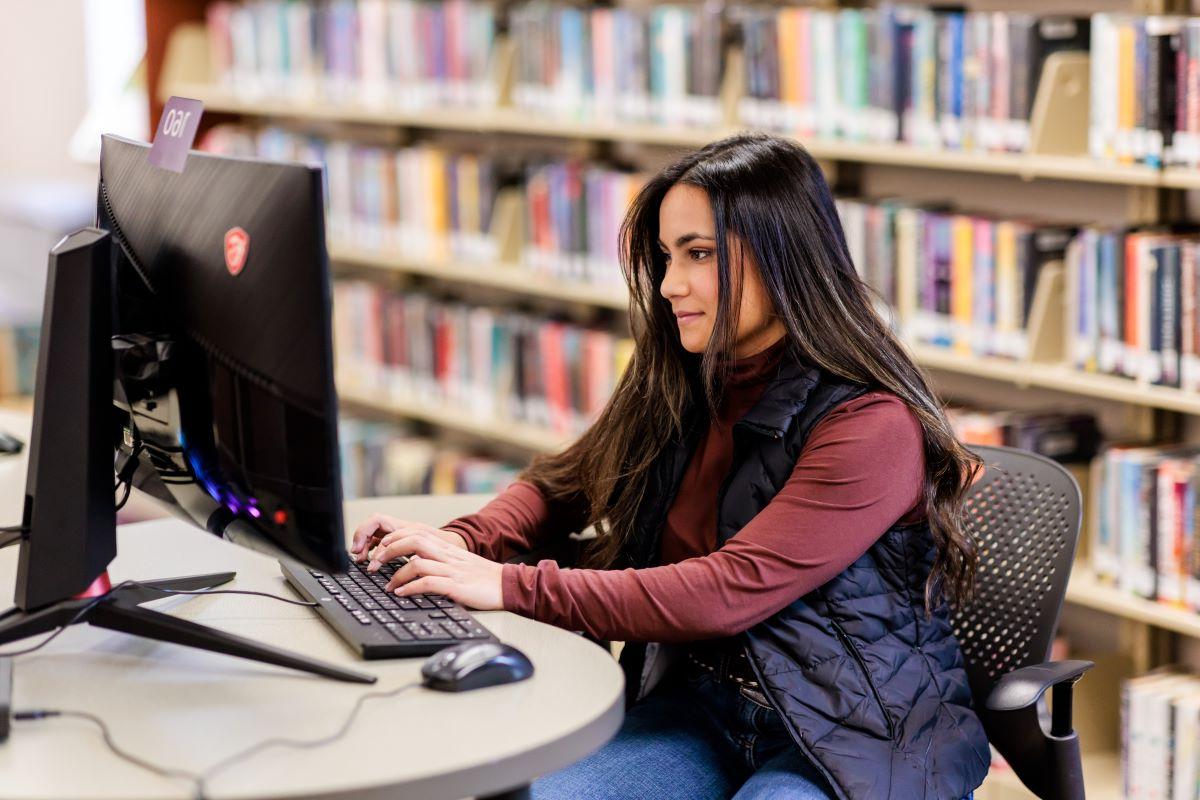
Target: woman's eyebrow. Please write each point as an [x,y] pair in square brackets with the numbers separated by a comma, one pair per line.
[689,237]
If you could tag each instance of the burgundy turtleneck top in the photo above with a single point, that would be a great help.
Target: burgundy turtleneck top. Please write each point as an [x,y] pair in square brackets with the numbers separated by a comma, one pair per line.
[860,471]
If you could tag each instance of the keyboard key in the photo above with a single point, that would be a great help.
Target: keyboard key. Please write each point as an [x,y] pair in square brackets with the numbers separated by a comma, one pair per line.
[441,601]
[429,633]
[437,614]
[422,602]
[456,630]
[399,617]
[458,614]
[406,604]
[382,616]
[397,630]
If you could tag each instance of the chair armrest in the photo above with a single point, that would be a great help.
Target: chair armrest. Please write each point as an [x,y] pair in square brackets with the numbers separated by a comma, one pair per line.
[1022,687]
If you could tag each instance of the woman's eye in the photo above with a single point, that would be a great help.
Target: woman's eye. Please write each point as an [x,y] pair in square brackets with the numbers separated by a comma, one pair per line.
[700,255]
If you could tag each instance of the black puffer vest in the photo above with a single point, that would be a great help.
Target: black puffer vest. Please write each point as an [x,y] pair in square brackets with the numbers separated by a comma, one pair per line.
[873,693]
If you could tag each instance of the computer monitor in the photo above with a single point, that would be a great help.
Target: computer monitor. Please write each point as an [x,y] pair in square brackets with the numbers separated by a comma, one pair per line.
[222,331]
[190,332]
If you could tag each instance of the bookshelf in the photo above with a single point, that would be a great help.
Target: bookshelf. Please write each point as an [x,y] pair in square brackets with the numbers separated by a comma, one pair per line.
[1027,166]
[1152,193]
[354,396]
[511,278]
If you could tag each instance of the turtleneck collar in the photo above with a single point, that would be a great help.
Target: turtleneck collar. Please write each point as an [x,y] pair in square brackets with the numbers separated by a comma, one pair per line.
[757,368]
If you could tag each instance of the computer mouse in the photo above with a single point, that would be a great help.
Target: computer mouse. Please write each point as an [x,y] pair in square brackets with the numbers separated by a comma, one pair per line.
[9,444]
[474,665]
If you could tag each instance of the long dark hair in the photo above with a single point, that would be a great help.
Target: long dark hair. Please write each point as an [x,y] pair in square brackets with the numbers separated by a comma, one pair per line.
[770,194]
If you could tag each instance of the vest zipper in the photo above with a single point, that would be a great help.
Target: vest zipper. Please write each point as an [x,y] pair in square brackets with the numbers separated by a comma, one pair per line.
[852,649]
[787,723]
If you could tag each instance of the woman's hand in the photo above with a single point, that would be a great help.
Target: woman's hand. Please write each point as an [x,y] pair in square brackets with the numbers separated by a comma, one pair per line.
[376,527]
[438,567]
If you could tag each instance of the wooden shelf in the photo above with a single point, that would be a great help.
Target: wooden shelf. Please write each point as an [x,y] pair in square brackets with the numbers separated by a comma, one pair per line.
[1085,590]
[1101,777]
[1059,377]
[511,120]
[514,278]
[1181,178]
[518,434]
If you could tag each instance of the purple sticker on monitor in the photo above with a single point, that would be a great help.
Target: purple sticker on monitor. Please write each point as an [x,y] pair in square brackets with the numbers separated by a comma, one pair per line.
[176,131]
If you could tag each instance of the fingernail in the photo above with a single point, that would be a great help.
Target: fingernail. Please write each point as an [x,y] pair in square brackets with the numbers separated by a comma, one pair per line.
[374,565]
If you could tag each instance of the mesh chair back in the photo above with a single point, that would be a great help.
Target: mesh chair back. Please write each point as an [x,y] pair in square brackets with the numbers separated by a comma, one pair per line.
[1024,513]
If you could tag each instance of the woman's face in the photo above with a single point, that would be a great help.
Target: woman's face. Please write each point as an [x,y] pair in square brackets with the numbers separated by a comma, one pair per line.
[687,238]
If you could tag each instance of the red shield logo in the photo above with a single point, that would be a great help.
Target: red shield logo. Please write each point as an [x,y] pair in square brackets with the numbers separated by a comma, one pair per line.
[237,249]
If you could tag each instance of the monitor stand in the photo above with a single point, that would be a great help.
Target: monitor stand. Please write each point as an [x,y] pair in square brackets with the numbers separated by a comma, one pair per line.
[121,611]
[69,528]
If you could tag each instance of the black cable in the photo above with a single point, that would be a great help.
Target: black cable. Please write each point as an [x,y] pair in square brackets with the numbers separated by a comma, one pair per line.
[165,772]
[201,779]
[305,744]
[14,529]
[227,591]
[58,631]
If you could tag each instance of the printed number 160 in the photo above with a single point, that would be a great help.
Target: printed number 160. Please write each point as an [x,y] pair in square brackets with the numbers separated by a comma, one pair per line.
[175,122]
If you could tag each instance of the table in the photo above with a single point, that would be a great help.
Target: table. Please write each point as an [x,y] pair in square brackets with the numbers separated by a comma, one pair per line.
[188,709]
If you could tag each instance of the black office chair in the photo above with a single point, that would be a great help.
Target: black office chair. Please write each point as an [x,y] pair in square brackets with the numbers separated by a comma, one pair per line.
[1025,514]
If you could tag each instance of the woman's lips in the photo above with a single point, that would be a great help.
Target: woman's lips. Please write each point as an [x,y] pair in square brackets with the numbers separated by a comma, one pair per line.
[683,319]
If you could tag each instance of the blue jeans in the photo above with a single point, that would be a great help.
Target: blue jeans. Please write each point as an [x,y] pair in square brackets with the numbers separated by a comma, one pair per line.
[693,737]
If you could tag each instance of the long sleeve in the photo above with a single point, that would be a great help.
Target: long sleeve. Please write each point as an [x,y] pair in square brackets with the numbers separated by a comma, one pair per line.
[860,471]
[516,521]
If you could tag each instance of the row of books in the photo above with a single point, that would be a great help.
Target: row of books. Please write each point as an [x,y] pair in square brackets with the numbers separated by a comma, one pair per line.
[424,201]
[1070,437]
[1145,89]
[437,203]
[18,359]
[1131,304]
[660,64]
[1160,729]
[492,363]
[382,53]
[573,215]
[385,459]
[1144,540]
[945,79]
[905,73]
[960,281]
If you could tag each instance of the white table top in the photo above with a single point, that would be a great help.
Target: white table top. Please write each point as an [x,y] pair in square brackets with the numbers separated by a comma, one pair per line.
[188,709]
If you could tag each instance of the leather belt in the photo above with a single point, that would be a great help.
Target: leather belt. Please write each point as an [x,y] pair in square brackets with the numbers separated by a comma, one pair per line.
[729,666]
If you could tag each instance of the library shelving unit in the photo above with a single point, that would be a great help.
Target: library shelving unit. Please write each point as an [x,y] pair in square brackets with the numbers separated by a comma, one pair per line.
[178,65]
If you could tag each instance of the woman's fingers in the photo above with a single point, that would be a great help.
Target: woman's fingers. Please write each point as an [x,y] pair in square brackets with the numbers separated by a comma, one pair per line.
[418,568]
[420,543]
[371,528]
[433,584]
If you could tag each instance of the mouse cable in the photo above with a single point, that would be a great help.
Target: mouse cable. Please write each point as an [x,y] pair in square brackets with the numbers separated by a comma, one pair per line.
[304,744]
[123,584]
[201,779]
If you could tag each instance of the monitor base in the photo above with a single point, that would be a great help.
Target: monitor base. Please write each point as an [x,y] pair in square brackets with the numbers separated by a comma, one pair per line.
[121,610]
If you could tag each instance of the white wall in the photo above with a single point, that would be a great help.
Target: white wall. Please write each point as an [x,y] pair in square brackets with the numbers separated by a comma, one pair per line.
[43,89]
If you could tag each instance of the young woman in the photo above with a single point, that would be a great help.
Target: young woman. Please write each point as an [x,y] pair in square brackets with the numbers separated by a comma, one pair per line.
[777,498]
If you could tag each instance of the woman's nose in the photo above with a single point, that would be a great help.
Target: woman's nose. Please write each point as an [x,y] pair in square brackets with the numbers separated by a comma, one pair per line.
[672,284]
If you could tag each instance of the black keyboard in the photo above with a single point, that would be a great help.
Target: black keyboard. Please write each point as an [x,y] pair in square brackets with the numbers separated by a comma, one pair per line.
[378,624]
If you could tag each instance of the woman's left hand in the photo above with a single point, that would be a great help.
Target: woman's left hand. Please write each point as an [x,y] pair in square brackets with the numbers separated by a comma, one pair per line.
[439,568]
